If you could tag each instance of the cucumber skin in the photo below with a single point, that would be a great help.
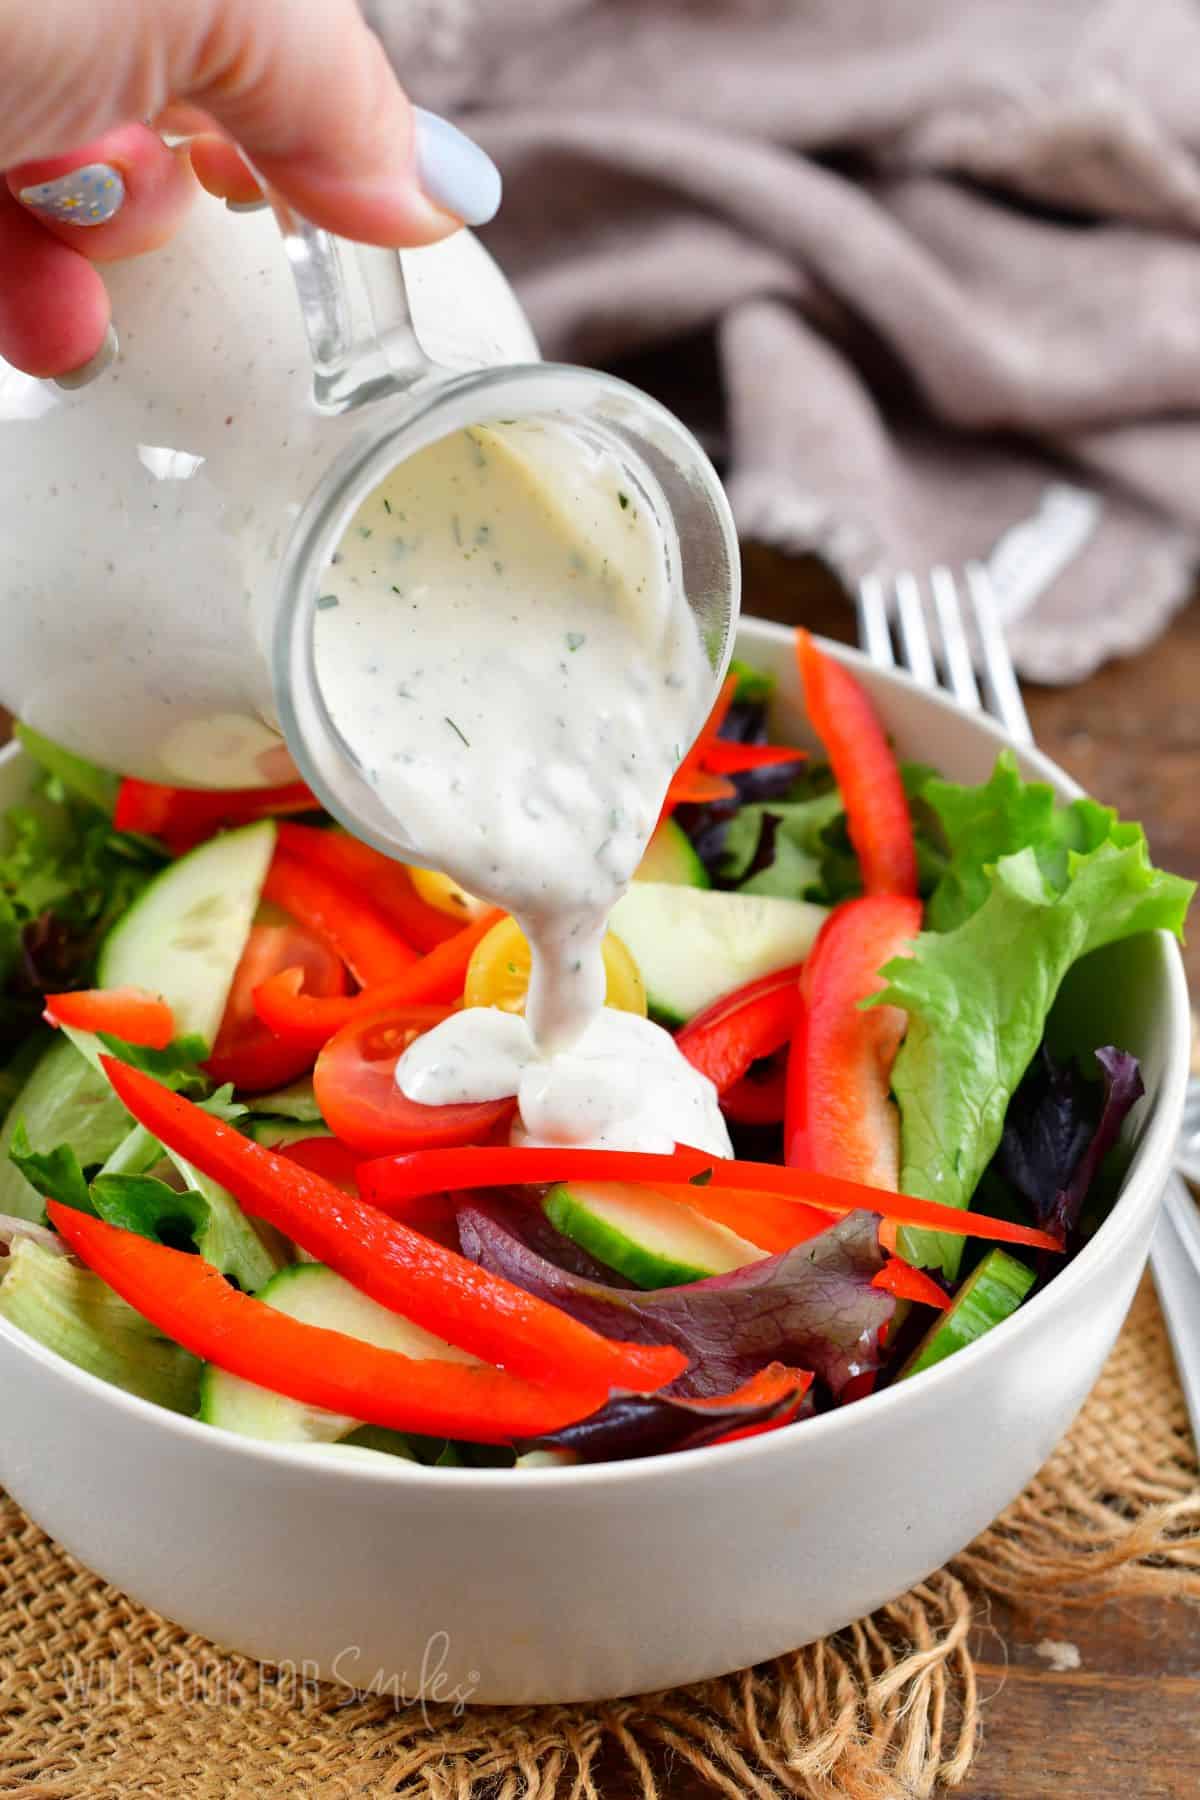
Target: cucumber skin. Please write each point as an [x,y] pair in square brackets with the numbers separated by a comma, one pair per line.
[671,859]
[991,1293]
[613,1249]
[646,1268]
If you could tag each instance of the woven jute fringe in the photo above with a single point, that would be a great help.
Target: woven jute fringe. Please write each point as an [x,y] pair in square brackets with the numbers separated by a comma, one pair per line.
[102,1699]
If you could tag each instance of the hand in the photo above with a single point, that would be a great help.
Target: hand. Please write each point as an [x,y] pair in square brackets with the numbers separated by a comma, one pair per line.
[301,85]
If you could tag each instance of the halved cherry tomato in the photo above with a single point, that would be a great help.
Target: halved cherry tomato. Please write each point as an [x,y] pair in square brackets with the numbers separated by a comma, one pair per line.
[499,969]
[127,1012]
[355,1085]
[385,882]
[246,1052]
[343,917]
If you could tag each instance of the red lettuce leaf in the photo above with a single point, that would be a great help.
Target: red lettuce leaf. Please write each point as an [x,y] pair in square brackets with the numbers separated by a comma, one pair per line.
[1058,1130]
[630,1425]
[812,1307]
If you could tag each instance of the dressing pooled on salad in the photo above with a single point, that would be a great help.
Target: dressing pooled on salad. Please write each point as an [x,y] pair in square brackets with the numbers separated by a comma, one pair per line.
[506,651]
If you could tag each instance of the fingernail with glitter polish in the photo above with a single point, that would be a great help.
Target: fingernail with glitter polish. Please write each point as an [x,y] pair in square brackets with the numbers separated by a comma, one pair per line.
[95,365]
[453,171]
[87,196]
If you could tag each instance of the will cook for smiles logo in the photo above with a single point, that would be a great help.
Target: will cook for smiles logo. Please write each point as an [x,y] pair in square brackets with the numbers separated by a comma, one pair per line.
[216,1681]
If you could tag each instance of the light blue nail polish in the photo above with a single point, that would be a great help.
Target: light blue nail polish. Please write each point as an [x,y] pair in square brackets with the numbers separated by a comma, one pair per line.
[87,196]
[453,171]
[87,372]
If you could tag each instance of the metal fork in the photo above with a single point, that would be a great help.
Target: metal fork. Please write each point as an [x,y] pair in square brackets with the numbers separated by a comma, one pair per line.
[955,642]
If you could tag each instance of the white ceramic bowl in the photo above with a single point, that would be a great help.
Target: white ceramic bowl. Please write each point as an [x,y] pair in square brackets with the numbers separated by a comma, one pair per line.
[578,1584]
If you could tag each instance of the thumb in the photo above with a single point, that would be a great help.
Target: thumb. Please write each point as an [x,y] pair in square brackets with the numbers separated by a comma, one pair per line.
[303,86]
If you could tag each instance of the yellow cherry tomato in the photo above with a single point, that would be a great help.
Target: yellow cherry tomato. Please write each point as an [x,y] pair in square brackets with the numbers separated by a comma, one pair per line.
[498,972]
[444,893]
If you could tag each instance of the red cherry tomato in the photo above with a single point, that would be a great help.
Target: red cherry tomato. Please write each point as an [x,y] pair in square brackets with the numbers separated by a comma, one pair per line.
[246,1051]
[355,1085]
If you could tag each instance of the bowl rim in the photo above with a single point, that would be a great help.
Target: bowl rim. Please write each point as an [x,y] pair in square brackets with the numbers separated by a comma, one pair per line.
[1139,1193]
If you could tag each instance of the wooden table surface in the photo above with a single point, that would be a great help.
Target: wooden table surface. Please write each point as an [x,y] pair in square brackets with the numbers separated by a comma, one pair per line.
[1124,1724]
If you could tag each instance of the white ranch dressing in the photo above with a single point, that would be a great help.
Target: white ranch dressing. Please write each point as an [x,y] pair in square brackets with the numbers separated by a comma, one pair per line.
[504,649]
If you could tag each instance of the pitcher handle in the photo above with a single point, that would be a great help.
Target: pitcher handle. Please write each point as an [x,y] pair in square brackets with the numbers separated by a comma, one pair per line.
[357,317]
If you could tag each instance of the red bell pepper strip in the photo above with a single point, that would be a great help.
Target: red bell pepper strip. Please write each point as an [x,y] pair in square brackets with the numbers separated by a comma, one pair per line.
[341,918]
[775,1381]
[193,1304]
[386,1180]
[126,1012]
[766,1220]
[385,882]
[753,1102]
[183,817]
[864,768]
[436,978]
[394,1265]
[680,788]
[725,758]
[900,1278]
[697,788]
[327,1157]
[840,1119]
[742,1026]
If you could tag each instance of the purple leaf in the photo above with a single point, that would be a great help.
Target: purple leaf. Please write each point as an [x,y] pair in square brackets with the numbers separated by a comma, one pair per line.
[812,1307]
[629,1425]
[1059,1129]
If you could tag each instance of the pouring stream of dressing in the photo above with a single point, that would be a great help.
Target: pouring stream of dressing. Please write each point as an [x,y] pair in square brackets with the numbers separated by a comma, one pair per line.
[504,648]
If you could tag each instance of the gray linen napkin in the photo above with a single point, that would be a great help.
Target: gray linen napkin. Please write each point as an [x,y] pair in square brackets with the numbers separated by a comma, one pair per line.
[902,263]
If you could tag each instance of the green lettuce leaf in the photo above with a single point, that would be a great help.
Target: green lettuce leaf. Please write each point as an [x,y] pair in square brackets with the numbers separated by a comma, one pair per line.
[177,1067]
[982,824]
[65,876]
[150,1207]
[977,995]
[54,1174]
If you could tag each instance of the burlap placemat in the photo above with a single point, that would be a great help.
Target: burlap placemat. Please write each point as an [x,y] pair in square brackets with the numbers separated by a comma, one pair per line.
[102,1699]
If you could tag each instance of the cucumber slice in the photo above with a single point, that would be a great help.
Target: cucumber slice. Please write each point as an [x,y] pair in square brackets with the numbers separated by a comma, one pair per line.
[275,1134]
[64,1101]
[295,1102]
[990,1294]
[184,936]
[670,858]
[74,1313]
[652,1241]
[314,1294]
[695,944]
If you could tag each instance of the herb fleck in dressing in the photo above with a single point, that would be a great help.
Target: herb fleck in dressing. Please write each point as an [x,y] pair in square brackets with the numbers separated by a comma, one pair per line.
[520,697]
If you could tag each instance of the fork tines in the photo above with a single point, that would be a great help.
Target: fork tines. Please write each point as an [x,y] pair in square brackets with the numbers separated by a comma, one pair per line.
[944,638]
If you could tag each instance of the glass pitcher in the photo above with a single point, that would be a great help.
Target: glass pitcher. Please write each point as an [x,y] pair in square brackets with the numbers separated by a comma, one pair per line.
[163,529]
